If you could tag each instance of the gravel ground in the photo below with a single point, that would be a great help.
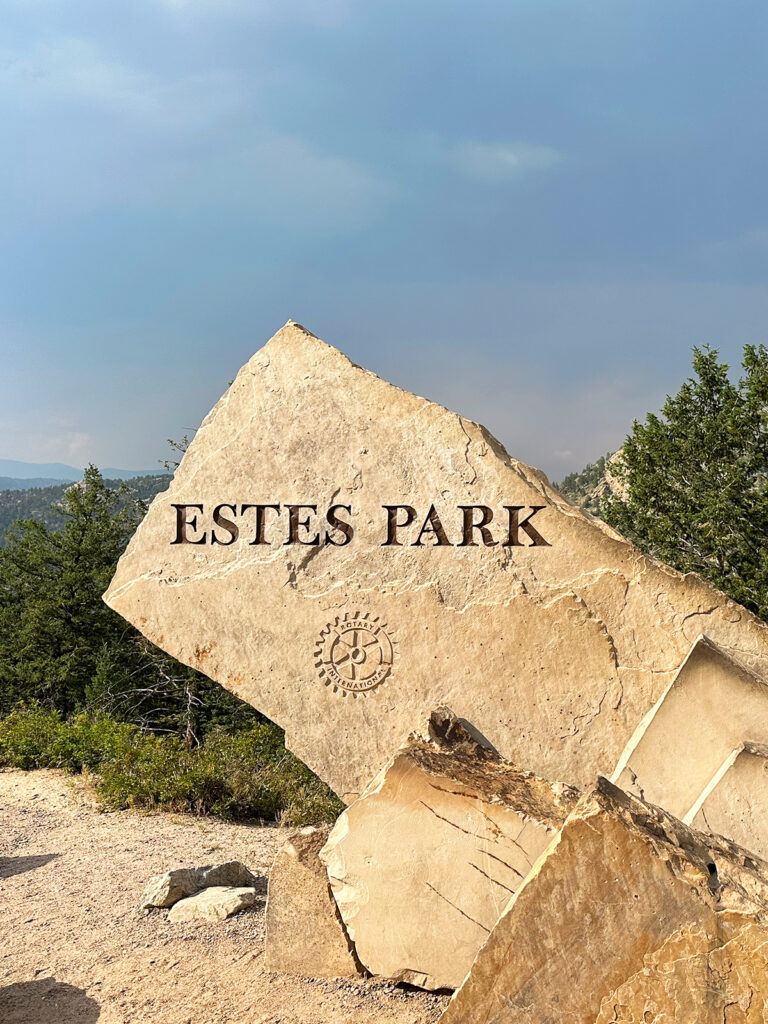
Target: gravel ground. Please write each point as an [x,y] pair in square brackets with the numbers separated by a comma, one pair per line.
[74,949]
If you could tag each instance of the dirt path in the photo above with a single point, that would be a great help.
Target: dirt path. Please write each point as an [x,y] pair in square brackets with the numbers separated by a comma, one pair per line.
[73,949]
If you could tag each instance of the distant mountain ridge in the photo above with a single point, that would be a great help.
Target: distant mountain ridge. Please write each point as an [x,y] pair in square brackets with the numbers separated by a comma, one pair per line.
[15,483]
[39,503]
[17,475]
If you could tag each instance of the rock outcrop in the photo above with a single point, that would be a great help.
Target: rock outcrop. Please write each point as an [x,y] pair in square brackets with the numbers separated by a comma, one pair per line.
[305,935]
[423,864]
[628,916]
[346,556]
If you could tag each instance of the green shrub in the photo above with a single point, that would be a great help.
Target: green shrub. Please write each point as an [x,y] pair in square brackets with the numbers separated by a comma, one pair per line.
[238,776]
[28,737]
[88,742]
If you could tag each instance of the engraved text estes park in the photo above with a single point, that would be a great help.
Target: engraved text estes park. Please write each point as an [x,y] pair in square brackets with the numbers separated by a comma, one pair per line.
[463,526]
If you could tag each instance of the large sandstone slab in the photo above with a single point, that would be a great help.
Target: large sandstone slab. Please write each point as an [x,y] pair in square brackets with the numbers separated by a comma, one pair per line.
[736,805]
[545,629]
[630,916]
[304,932]
[712,707]
[423,864]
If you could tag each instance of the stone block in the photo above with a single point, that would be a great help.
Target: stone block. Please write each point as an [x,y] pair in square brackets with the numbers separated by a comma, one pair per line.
[711,708]
[423,864]
[304,932]
[735,805]
[628,916]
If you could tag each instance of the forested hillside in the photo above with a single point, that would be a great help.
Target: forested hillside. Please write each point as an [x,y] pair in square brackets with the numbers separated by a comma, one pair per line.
[580,487]
[36,502]
[81,689]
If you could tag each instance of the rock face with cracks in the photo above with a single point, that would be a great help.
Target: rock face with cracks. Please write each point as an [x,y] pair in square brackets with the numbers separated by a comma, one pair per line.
[423,864]
[628,916]
[304,933]
[711,974]
[266,566]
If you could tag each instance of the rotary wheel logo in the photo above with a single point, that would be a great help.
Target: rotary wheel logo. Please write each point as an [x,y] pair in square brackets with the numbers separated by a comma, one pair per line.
[355,653]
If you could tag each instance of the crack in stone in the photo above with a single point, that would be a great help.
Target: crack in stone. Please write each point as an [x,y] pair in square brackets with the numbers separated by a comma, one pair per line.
[463,914]
[451,823]
[466,452]
[493,856]
[491,878]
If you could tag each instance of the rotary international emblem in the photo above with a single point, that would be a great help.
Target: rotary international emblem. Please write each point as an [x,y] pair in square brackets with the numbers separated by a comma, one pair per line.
[355,653]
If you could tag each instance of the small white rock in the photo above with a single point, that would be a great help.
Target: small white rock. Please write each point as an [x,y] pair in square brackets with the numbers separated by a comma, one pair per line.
[213,904]
[165,890]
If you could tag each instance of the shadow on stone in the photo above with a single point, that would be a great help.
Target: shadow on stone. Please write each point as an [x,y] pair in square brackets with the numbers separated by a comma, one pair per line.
[261,885]
[46,1001]
[18,865]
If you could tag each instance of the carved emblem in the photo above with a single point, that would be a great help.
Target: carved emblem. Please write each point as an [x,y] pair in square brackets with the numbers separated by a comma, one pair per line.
[355,653]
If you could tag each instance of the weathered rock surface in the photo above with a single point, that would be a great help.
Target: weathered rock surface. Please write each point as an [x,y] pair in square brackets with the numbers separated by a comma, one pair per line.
[629,915]
[167,889]
[712,707]
[736,805]
[215,903]
[423,864]
[553,650]
[714,973]
[304,931]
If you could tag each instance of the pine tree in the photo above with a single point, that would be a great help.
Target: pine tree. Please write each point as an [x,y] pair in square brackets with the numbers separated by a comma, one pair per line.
[61,645]
[696,479]
[54,627]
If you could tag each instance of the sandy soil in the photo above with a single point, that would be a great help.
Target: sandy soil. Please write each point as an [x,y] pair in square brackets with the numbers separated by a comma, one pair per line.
[74,950]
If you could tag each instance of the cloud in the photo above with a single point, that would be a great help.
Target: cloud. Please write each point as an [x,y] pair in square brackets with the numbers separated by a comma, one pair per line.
[114,132]
[286,183]
[73,71]
[148,143]
[313,12]
[501,161]
[58,443]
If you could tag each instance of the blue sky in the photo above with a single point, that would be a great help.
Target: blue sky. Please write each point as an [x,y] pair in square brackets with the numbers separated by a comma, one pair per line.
[529,210]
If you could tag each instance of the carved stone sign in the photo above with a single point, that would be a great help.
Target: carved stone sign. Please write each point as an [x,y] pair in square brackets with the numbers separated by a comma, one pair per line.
[300,525]
[347,556]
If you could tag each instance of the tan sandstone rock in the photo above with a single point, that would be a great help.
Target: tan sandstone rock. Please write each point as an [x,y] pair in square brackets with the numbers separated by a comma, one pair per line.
[423,864]
[304,931]
[736,803]
[629,915]
[216,903]
[712,707]
[554,638]
[714,973]
[166,889]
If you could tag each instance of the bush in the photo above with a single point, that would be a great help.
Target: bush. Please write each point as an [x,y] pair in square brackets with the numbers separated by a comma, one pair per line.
[29,736]
[246,775]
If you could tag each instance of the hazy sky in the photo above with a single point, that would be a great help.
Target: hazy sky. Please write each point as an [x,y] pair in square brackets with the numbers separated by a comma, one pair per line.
[529,210]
